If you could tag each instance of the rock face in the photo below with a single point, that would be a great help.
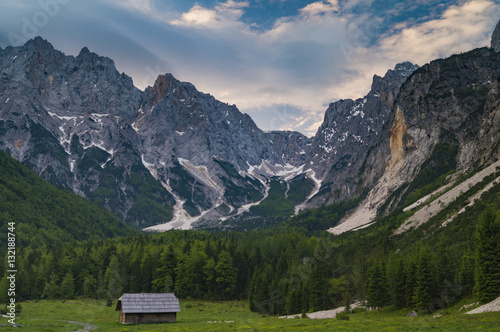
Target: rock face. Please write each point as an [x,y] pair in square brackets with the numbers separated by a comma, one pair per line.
[495,38]
[147,156]
[350,129]
[172,153]
[451,102]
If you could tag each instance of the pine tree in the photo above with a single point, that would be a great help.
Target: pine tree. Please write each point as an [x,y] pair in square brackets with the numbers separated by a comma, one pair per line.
[320,274]
[89,286]
[376,286]
[210,279]
[396,279]
[146,273]
[67,288]
[410,281]
[424,280]
[50,289]
[466,272]
[487,278]
[226,275]
[338,290]
[112,279]
[254,286]
[446,269]
[359,276]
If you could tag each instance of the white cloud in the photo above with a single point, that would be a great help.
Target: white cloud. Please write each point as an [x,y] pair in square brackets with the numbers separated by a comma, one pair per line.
[312,59]
[320,7]
[460,28]
[219,17]
[304,61]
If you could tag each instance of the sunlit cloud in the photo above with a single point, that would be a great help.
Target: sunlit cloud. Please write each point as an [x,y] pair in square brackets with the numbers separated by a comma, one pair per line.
[320,7]
[284,75]
[219,17]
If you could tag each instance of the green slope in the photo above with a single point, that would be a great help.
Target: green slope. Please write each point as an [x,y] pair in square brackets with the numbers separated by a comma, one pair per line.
[46,215]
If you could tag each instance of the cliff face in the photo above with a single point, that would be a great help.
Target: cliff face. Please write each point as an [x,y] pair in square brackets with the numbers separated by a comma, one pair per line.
[450,102]
[495,38]
[172,153]
[352,128]
[147,156]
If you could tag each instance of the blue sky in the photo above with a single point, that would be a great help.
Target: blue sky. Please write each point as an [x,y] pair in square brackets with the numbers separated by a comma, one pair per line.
[281,61]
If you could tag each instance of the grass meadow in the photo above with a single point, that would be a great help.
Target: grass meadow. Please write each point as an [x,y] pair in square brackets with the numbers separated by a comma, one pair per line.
[46,315]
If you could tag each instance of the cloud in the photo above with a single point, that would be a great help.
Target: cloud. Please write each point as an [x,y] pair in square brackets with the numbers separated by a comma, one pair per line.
[286,76]
[460,28]
[320,7]
[143,6]
[219,17]
[283,75]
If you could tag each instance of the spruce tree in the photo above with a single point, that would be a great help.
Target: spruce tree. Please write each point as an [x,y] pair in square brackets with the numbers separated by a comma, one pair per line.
[396,280]
[226,275]
[67,288]
[487,278]
[89,286]
[424,280]
[376,286]
[320,274]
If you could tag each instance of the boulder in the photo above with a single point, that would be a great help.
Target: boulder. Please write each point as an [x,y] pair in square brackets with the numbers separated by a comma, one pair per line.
[412,313]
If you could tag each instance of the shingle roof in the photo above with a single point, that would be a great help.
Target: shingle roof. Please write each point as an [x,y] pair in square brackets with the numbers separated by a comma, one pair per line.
[148,303]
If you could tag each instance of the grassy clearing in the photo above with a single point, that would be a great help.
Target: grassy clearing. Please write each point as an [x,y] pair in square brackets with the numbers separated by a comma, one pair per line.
[235,316]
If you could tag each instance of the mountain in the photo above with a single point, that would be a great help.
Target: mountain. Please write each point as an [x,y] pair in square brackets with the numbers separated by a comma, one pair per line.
[350,129]
[45,216]
[442,138]
[174,154]
[169,152]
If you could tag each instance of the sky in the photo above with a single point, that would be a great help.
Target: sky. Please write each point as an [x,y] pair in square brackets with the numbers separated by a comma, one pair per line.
[281,61]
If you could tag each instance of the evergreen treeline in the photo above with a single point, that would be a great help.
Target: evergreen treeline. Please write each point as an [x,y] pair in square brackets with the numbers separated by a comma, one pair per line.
[292,268]
[281,272]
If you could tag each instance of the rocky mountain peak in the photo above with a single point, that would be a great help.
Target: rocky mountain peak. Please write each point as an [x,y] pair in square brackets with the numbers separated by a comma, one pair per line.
[495,38]
[395,76]
[164,84]
[38,44]
[91,61]
[350,129]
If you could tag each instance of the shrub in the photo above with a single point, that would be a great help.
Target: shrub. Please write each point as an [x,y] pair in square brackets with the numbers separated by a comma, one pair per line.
[343,315]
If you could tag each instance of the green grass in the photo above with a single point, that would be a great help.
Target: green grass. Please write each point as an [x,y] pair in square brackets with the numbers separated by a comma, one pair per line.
[235,316]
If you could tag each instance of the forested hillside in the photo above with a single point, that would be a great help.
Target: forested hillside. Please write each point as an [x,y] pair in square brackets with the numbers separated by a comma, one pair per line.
[46,216]
[288,269]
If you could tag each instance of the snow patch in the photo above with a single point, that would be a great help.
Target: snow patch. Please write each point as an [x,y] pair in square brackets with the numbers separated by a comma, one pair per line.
[149,167]
[181,219]
[328,134]
[134,126]
[67,118]
[286,171]
[98,117]
[246,207]
[311,175]
[200,173]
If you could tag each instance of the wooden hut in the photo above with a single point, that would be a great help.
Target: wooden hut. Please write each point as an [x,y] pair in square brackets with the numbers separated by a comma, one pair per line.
[148,308]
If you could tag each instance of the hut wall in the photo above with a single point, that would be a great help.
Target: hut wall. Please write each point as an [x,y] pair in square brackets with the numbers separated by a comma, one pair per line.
[146,318]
